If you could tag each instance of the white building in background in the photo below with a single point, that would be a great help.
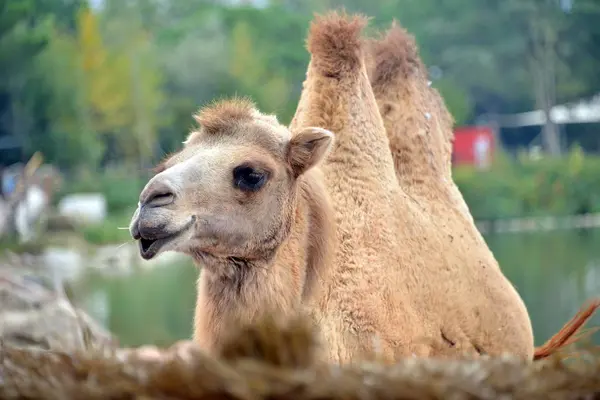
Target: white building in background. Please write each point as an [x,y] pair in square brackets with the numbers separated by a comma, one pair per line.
[580,112]
[99,4]
[253,3]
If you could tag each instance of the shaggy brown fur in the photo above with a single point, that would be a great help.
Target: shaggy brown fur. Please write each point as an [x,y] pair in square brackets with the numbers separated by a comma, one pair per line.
[225,115]
[268,361]
[412,276]
[336,45]
[293,345]
[419,129]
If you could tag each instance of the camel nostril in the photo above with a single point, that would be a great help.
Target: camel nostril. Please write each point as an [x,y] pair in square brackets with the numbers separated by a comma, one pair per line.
[159,199]
[157,194]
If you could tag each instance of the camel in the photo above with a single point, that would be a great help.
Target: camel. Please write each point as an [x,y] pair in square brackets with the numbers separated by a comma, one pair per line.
[316,218]
[244,199]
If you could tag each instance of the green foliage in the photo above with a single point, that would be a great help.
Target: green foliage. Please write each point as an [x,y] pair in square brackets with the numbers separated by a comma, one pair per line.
[13,246]
[457,100]
[121,187]
[120,83]
[20,39]
[528,187]
[263,66]
[71,139]
[108,231]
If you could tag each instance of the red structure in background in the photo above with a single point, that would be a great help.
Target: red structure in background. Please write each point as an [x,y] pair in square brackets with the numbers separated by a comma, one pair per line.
[473,145]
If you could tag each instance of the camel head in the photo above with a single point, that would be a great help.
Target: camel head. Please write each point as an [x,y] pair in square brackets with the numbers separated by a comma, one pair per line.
[229,193]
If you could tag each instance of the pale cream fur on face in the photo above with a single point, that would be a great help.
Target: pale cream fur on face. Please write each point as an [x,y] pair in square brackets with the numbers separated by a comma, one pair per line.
[200,176]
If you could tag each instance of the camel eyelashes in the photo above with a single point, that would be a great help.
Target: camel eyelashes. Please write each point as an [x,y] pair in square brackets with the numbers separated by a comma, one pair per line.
[248,179]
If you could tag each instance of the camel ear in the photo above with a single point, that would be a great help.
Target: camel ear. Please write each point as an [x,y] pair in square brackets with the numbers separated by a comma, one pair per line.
[307,148]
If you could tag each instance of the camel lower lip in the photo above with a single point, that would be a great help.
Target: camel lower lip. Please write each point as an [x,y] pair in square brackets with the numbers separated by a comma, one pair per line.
[150,251]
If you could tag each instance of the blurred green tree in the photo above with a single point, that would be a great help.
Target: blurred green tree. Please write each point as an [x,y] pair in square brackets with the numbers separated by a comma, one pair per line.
[120,83]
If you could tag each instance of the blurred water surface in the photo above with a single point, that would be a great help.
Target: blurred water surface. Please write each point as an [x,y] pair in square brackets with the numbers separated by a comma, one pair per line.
[555,273]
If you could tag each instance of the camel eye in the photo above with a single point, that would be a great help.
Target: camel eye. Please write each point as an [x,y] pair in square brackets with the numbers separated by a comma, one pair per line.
[248,179]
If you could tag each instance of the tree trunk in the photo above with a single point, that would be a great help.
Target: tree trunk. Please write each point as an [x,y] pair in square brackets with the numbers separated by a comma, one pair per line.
[550,135]
[550,131]
[543,65]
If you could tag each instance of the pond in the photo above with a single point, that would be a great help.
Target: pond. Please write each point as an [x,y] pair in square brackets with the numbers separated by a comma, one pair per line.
[555,273]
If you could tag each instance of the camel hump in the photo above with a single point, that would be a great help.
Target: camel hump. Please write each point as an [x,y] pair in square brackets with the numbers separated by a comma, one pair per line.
[568,334]
[417,122]
[394,55]
[335,43]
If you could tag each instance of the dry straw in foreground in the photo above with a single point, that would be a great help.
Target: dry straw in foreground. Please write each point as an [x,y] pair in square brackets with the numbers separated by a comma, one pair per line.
[270,361]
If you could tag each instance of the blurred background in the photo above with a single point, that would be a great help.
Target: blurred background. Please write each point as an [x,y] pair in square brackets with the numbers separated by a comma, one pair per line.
[94,93]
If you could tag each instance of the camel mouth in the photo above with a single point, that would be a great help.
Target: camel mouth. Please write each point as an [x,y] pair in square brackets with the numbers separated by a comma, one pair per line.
[149,248]
[146,249]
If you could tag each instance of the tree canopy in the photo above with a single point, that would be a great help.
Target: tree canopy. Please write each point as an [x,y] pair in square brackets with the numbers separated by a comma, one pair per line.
[118,81]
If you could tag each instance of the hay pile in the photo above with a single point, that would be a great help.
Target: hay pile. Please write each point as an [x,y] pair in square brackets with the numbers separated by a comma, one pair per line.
[270,361]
